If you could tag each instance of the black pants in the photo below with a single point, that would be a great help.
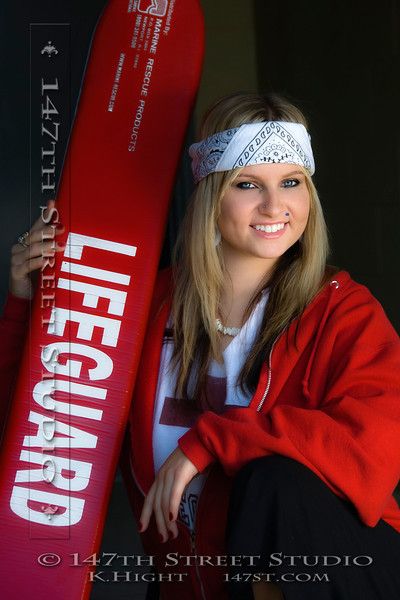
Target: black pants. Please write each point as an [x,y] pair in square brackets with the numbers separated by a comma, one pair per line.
[279,508]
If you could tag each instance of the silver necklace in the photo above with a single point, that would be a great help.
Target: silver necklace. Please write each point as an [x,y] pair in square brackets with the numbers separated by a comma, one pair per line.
[232,331]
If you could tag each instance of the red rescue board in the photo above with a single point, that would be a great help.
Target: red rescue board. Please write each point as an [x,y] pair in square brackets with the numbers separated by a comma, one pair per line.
[76,379]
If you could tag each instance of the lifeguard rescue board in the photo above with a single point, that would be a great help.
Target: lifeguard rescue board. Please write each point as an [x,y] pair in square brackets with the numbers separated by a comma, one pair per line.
[76,378]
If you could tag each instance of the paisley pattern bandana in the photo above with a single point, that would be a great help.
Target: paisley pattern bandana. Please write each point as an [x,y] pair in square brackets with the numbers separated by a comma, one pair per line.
[253,144]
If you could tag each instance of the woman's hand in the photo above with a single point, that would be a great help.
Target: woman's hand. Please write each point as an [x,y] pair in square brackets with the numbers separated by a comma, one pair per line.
[40,251]
[166,492]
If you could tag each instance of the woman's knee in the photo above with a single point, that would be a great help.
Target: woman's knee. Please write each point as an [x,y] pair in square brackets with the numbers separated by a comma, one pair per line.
[276,471]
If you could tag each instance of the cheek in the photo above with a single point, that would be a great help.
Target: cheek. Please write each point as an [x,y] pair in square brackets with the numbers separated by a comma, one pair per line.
[231,212]
[306,213]
[301,210]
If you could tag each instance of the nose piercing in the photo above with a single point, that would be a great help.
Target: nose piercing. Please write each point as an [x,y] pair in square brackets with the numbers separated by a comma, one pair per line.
[265,206]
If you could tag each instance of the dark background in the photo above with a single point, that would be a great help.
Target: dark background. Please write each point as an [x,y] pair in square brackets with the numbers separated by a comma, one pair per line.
[338,61]
[341,61]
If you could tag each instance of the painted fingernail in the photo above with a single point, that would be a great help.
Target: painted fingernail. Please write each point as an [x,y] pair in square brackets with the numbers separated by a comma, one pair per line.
[162,538]
[140,526]
[172,535]
[171,516]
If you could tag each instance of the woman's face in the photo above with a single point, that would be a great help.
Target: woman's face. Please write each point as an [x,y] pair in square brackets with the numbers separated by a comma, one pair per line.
[264,211]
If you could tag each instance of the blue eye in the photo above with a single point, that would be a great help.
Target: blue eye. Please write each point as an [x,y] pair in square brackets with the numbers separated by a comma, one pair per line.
[291,183]
[245,185]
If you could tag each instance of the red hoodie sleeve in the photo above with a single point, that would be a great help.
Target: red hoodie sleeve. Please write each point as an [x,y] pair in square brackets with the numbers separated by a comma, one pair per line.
[13,328]
[352,440]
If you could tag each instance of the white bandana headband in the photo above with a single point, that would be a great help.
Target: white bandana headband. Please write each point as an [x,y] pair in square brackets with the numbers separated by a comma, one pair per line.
[253,144]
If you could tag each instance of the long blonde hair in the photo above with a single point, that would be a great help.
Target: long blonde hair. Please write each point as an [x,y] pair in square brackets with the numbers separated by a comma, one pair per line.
[198,263]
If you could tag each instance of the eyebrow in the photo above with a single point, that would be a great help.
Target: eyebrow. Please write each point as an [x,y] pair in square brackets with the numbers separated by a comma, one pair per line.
[294,173]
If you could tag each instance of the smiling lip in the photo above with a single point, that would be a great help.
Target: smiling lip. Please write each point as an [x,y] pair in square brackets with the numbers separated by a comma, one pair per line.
[270,223]
[272,234]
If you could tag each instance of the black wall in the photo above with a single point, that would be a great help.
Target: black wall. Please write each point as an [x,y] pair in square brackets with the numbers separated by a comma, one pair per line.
[340,62]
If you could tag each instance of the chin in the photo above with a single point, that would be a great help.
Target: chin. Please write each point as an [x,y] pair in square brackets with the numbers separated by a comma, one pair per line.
[273,253]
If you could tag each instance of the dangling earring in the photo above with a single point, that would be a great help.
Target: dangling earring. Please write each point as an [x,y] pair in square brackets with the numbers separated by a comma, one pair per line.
[217,237]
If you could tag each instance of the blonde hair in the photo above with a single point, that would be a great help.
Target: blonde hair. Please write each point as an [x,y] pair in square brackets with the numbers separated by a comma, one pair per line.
[199,269]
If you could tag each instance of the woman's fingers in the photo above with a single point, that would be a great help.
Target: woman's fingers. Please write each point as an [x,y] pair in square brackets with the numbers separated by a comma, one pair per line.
[28,266]
[183,476]
[37,252]
[47,214]
[166,492]
[44,217]
[157,501]
[41,236]
[34,250]
[148,507]
[30,240]
[43,228]
[22,262]
[166,502]
[45,233]
[158,512]
[176,494]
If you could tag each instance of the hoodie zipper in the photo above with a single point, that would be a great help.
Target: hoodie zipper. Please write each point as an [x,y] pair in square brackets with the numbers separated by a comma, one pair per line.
[269,375]
[193,549]
[333,283]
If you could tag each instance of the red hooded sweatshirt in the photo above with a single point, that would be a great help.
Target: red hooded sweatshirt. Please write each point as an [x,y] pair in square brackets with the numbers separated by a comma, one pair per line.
[328,397]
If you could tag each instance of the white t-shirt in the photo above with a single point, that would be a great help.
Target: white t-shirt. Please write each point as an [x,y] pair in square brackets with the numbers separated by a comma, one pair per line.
[172,418]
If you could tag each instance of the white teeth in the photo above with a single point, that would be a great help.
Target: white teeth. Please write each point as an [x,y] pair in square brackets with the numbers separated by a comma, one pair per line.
[270,228]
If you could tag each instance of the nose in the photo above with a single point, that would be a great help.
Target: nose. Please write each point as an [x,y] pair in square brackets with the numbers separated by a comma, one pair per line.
[271,203]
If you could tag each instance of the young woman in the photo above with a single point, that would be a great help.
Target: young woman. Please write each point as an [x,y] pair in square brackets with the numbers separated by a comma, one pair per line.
[263,446]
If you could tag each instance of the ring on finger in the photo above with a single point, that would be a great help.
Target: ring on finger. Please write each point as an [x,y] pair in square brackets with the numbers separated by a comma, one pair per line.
[22,238]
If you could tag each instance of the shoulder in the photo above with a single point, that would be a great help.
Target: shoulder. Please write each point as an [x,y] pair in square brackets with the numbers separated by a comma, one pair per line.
[352,308]
[347,293]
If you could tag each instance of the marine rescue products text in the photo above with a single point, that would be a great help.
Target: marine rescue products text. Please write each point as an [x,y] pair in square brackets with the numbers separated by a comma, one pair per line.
[141,106]
[52,452]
